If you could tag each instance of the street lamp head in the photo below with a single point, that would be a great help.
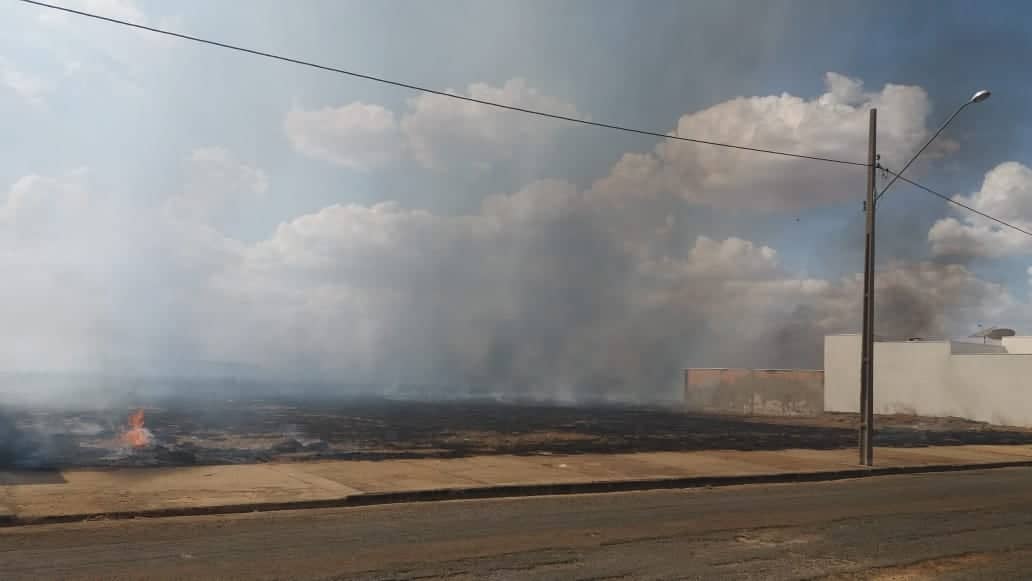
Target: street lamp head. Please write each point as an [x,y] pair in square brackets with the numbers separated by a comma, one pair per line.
[980,96]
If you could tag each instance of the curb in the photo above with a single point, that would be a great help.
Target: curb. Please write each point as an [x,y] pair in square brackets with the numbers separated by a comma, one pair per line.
[510,491]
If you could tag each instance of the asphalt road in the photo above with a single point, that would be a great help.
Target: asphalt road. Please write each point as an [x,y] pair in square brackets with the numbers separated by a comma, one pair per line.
[966,525]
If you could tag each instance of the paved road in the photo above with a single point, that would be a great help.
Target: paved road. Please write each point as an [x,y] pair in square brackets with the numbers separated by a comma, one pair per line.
[968,525]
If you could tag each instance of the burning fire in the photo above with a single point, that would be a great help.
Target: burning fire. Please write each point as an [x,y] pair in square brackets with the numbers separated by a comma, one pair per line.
[136,436]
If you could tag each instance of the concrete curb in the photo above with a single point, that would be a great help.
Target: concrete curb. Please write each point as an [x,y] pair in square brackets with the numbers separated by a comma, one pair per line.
[510,491]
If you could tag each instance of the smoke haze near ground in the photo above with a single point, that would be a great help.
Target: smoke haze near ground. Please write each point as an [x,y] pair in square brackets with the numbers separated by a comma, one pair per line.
[553,291]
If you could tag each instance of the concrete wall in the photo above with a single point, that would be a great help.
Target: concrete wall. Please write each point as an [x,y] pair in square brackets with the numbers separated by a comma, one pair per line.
[1018,344]
[777,392]
[959,347]
[932,378]
[894,368]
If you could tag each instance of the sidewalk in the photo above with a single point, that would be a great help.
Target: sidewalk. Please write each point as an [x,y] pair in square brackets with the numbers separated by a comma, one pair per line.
[70,495]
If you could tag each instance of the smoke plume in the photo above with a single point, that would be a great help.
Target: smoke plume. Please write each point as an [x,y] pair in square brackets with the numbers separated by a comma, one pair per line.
[554,290]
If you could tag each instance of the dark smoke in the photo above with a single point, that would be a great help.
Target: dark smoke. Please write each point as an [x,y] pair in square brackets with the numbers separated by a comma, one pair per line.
[797,344]
[902,312]
[24,448]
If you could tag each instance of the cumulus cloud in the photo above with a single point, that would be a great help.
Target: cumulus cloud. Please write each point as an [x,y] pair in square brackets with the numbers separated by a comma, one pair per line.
[443,132]
[832,125]
[90,50]
[217,168]
[30,88]
[37,210]
[1006,193]
[216,183]
[357,135]
[437,132]
[120,9]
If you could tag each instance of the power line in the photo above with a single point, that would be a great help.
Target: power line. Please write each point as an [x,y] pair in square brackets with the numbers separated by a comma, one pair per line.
[955,202]
[413,87]
[929,142]
[515,108]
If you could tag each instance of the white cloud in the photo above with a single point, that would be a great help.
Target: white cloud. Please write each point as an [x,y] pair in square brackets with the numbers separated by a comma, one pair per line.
[118,57]
[357,135]
[82,31]
[443,132]
[120,9]
[217,168]
[832,125]
[438,132]
[1006,193]
[733,255]
[35,205]
[217,182]
[30,88]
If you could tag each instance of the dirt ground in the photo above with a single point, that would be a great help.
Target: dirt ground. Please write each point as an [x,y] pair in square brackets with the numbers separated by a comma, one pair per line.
[233,431]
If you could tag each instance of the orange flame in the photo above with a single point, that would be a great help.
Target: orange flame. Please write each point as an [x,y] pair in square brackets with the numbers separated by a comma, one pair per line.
[136,436]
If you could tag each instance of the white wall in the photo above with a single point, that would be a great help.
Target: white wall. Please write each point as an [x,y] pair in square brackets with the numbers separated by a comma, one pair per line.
[928,378]
[958,347]
[1018,344]
[842,373]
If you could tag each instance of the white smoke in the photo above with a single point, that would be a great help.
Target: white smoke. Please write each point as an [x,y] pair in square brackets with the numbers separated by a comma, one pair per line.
[551,290]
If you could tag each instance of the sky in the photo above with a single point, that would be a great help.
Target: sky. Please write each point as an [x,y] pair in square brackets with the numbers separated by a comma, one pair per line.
[172,208]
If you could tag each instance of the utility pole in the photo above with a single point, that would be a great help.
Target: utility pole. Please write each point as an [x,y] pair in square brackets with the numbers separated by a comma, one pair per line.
[867,337]
[867,347]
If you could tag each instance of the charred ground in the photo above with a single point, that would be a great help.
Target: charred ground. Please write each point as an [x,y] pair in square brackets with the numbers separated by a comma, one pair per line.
[214,431]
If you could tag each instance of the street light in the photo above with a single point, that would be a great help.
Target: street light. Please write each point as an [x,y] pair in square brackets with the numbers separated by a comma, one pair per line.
[867,337]
[976,98]
[980,96]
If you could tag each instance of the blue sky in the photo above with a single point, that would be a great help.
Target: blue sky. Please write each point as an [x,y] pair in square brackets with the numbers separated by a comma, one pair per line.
[641,66]
[134,111]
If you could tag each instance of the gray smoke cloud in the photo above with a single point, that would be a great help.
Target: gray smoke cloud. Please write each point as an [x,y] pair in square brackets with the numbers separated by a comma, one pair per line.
[13,443]
[28,446]
[552,291]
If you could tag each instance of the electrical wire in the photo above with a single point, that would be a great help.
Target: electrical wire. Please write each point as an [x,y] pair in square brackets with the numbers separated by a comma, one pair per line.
[413,87]
[923,147]
[513,107]
[955,202]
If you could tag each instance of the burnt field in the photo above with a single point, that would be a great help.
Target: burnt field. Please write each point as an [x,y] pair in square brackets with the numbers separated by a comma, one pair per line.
[213,431]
